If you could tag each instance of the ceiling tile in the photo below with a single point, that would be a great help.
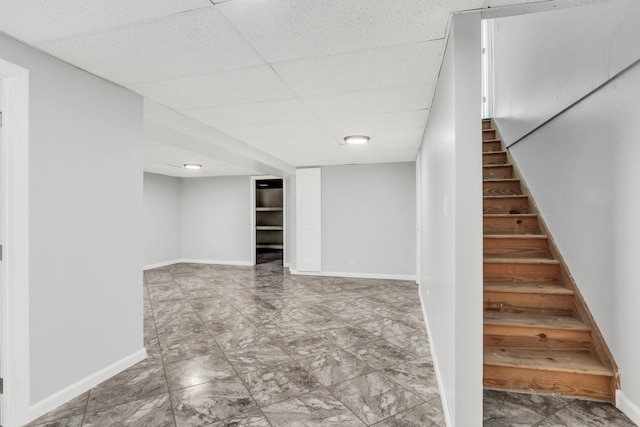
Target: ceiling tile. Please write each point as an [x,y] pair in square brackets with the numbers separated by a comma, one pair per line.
[401,98]
[285,30]
[366,124]
[288,129]
[213,90]
[168,160]
[370,69]
[190,43]
[38,20]
[256,113]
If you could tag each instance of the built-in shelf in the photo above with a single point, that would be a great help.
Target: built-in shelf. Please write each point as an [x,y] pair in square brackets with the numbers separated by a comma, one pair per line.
[264,209]
[269,227]
[269,246]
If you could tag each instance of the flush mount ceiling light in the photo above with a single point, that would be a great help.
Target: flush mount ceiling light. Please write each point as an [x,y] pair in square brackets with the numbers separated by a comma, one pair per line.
[356,139]
[192,166]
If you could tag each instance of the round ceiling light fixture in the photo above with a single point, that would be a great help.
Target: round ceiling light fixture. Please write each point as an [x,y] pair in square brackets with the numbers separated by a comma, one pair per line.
[356,139]
[192,166]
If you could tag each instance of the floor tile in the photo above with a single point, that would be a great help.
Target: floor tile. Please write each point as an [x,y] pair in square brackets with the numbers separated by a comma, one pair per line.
[72,421]
[155,411]
[417,375]
[424,415]
[260,357]
[318,409]
[207,403]
[127,386]
[251,419]
[334,367]
[588,414]
[504,409]
[349,336]
[188,349]
[201,369]
[279,383]
[373,397]
[381,354]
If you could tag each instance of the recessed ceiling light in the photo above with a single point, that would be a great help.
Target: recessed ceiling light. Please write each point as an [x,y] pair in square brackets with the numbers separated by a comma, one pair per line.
[356,139]
[192,166]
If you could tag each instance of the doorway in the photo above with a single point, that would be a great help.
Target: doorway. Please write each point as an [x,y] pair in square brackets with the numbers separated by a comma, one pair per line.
[269,221]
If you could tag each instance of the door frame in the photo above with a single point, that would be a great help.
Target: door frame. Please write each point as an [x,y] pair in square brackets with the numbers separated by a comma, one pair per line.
[14,284]
[253,217]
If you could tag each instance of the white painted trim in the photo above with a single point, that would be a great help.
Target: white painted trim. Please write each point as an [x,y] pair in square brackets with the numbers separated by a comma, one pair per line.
[160,264]
[15,223]
[216,262]
[629,408]
[434,359]
[49,403]
[355,275]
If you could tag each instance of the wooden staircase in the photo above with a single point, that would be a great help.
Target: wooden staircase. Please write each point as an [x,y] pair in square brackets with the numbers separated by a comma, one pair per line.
[539,336]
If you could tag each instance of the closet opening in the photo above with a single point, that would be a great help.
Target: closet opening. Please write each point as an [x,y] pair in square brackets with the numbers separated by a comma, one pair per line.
[269,221]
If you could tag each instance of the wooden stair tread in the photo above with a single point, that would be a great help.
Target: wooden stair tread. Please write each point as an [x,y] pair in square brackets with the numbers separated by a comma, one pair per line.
[507,196]
[501,179]
[530,288]
[498,215]
[534,320]
[493,152]
[501,165]
[515,236]
[491,140]
[522,261]
[559,361]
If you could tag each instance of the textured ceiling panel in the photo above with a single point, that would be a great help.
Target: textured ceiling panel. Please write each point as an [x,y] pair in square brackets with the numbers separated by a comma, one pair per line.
[37,20]
[168,160]
[287,129]
[401,98]
[364,124]
[256,113]
[213,90]
[285,30]
[392,66]
[189,43]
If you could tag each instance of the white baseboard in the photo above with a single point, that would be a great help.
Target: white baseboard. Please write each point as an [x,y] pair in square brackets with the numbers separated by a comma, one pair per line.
[197,261]
[74,390]
[160,264]
[434,359]
[355,275]
[629,408]
[216,262]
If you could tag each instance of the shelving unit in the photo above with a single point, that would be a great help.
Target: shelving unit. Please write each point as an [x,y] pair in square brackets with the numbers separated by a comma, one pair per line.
[269,217]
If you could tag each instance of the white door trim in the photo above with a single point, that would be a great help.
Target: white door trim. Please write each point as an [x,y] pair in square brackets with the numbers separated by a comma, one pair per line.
[15,224]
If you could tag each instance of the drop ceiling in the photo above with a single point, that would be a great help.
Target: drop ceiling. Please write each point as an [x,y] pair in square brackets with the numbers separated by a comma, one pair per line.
[290,78]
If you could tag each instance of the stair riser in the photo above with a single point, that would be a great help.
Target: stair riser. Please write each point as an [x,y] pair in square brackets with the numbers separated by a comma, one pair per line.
[513,302]
[494,158]
[498,172]
[487,124]
[510,225]
[507,205]
[586,386]
[491,146]
[488,134]
[515,337]
[501,188]
[516,248]
[520,273]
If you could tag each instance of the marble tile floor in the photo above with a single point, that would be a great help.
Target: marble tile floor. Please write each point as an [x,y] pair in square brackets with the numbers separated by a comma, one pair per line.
[503,409]
[255,346]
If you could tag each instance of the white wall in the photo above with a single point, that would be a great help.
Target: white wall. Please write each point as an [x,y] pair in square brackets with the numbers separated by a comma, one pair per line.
[216,219]
[368,219]
[582,169]
[162,213]
[451,225]
[537,75]
[85,217]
